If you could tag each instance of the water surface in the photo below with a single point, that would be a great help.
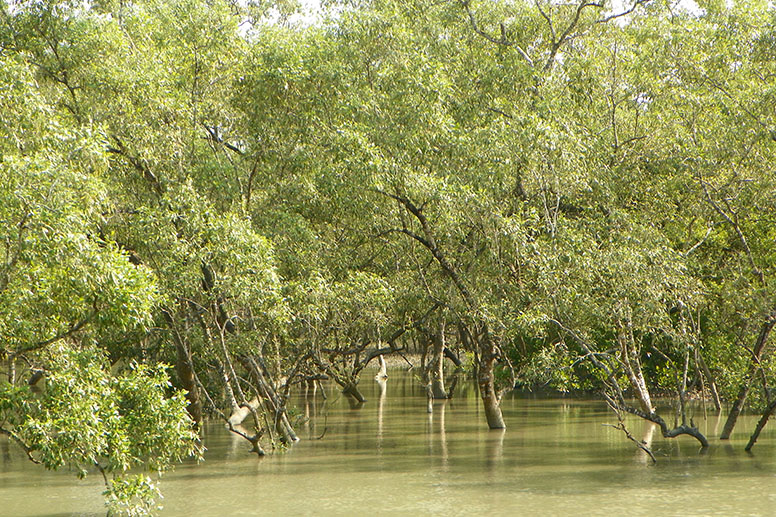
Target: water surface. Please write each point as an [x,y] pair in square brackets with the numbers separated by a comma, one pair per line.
[391,457]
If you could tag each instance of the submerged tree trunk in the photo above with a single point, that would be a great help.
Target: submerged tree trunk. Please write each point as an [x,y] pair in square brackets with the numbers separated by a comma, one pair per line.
[767,414]
[438,390]
[273,403]
[709,378]
[351,390]
[490,400]
[743,393]
[382,373]
[629,356]
[239,414]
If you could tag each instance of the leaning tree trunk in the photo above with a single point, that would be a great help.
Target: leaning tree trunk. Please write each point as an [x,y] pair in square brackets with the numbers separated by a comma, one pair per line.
[767,414]
[382,373]
[629,355]
[743,393]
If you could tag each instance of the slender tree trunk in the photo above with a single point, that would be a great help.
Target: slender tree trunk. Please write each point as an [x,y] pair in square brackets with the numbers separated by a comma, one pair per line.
[630,359]
[743,393]
[767,414]
[437,364]
[382,373]
[710,379]
[12,371]
[274,404]
[738,405]
[383,384]
[184,369]
[188,382]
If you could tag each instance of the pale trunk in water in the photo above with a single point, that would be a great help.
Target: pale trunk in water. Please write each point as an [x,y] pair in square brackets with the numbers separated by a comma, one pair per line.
[240,413]
[382,373]
[630,358]
[437,365]
[710,379]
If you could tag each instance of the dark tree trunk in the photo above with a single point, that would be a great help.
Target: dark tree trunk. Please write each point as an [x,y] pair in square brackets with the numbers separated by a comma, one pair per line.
[351,390]
[767,414]
[188,383]
[490,400]
[743,393]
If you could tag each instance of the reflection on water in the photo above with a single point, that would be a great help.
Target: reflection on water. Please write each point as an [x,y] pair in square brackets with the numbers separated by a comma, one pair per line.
[391,457]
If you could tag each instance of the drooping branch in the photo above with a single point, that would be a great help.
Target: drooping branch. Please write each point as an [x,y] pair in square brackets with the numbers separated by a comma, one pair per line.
[628,11]
[731,217]
[640,444]
[430,243]
[27,450]
[653,417]
[75,327]
[215,136]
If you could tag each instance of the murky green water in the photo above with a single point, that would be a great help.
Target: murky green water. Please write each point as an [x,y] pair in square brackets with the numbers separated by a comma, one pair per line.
[392,458]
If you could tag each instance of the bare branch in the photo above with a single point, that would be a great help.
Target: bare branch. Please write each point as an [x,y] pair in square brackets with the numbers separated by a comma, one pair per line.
[566,35]
[611,17]
[640,444]
[733,221]
[500,41]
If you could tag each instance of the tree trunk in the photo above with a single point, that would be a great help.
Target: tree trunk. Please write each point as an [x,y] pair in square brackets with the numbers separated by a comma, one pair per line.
[743,393]
[239,414]
[767,414]
[188,382]
[738,405]
[437,364]
[710,379]
[382,374]
[490,400]
[351,390]
[383,384]
[630,359]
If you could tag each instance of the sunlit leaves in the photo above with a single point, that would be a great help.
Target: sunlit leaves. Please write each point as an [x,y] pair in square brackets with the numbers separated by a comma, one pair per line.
[87,417]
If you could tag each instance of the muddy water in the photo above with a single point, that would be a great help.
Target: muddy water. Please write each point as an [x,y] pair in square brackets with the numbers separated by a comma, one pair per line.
[391,457]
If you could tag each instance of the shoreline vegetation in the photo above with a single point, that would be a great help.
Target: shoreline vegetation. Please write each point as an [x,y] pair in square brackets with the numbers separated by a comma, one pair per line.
[209,206]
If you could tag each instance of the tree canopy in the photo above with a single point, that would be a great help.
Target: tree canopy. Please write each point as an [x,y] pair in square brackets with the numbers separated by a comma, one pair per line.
[574,194]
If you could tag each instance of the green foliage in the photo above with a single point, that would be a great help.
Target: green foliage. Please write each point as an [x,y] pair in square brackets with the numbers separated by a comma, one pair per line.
[88,417]
[193,182]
